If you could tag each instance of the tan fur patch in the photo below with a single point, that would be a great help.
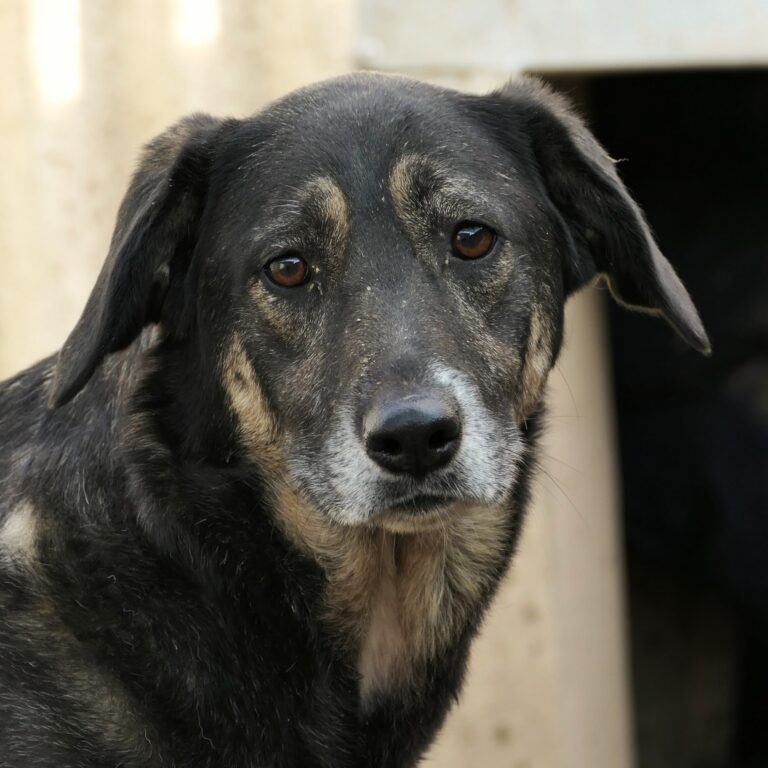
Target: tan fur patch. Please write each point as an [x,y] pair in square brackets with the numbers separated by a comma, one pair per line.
[397,599]
[538,362]
[257,426]
[428,584]
[326,194]
[110,714]
[410,209]
[420,185]
[19,535]
[401,180]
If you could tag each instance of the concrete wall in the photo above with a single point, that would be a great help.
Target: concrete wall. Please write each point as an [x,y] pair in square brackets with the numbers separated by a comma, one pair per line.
[505,36]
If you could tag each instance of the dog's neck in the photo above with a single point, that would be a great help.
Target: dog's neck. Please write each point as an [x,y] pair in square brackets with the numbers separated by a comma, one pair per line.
[396,600]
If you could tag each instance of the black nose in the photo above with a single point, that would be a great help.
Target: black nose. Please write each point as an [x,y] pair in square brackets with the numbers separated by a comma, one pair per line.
[415,434]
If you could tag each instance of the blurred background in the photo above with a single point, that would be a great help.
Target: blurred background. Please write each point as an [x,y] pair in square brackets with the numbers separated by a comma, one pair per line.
[632,629]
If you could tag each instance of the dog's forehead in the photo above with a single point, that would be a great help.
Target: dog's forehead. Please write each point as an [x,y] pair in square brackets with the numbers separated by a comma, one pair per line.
[365,106]
[360,131]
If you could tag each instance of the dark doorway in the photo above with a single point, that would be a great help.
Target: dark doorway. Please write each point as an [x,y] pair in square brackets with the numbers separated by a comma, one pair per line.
[693,431]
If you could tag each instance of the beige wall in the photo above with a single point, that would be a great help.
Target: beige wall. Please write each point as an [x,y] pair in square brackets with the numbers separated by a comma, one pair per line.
[547,687]
[72,119]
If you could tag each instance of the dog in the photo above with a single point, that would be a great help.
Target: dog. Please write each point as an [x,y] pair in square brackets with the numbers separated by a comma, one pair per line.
[253,512]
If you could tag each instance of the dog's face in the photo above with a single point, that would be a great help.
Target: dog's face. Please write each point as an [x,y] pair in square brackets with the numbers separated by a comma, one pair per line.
[397,293]
[377,269]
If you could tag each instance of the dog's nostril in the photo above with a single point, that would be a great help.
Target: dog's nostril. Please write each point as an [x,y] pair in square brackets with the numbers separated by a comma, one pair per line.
[386,445]
[412,434]
[439,439]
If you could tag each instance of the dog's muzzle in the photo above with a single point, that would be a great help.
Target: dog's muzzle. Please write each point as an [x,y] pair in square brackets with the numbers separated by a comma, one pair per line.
[412,434]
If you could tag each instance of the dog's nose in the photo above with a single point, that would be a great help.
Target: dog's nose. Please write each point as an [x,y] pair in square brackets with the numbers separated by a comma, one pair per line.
[414,434]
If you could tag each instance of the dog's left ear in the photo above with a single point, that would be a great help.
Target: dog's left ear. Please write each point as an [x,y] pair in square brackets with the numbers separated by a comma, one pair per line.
[609,234]
[158,219]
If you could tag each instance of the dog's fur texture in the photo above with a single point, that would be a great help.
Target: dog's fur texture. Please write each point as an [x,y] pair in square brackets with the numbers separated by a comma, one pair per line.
[199,564]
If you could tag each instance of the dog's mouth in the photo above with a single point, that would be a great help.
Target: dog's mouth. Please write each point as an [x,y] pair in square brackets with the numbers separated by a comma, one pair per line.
[420,504]
[418,512]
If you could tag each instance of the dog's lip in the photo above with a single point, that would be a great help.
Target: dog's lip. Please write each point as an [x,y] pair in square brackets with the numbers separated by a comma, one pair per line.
[418,512]
[419,503]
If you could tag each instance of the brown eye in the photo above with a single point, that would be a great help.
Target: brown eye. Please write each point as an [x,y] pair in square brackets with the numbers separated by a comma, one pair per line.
[472,241]
[288,270]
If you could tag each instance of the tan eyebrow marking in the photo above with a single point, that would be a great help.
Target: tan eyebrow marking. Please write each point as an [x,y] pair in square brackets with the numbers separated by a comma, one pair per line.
[448,193]
[323,197]
[320,197]
[401,180]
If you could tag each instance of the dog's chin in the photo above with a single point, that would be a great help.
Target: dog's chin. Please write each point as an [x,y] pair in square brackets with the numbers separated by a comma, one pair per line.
[418,514]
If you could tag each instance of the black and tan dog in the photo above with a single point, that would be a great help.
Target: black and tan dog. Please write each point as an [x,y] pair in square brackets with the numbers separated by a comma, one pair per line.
[254,512]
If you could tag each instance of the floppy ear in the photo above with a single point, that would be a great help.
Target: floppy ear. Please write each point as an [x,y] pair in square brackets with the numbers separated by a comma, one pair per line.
[609,234]
[157,219]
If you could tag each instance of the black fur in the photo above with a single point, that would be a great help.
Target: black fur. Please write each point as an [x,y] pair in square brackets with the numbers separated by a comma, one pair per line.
[163,616]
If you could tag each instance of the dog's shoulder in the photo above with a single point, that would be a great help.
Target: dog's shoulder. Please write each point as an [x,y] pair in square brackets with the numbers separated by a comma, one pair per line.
[54,487]
[22,411]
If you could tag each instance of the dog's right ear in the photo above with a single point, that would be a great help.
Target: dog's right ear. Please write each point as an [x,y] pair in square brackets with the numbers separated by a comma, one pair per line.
[158,217]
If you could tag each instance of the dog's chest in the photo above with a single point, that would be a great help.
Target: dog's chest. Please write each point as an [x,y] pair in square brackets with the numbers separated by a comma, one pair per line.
[396,600]
[422,589]
[385,650]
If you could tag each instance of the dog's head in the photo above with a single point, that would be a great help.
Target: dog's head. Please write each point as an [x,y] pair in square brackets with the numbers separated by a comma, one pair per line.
[376,269]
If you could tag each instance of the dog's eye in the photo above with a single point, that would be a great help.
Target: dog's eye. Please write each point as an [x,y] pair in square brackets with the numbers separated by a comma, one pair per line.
[288,270]
[472,241]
